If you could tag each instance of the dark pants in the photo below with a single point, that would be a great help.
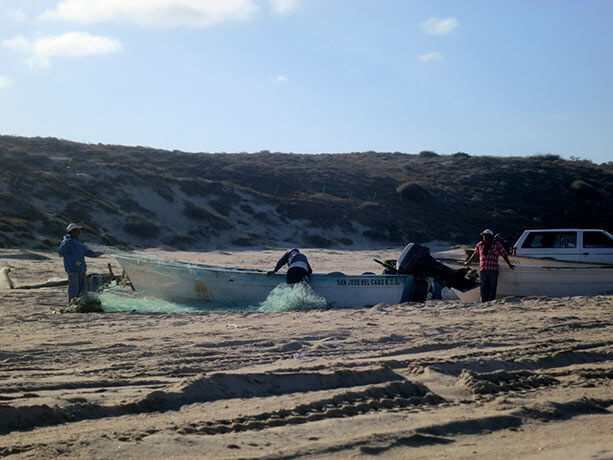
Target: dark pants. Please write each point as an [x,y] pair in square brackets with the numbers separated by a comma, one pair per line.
[77,285]
[296,275]
[489,283]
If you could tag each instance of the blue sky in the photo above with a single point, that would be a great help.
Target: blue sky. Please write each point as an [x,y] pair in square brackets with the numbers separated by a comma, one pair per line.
[486,77]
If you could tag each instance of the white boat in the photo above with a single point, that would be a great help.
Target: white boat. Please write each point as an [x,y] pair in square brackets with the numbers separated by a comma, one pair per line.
[550,281]
[211,285]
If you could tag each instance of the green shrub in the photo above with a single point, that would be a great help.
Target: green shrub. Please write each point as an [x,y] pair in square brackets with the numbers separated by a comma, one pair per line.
[263,217]
[194,187]
[130,205]
[6,242]
[49,243]
[376,235]
[585,190]
[53,226]
[195,212]
[77,212]
[16,205]
[110,240]
[31,255]
[165,193]
[243,242]
[318,241]
[182,241]
[247,208]
[13,224]
[142,228]
[222,205]
[412,192]
[546,157]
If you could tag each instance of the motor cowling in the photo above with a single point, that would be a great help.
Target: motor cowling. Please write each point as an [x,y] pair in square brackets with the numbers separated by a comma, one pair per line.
[413,258]
[416,260]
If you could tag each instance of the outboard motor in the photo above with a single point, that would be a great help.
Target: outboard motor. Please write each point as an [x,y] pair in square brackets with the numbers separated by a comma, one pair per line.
[413,258]
[416,260]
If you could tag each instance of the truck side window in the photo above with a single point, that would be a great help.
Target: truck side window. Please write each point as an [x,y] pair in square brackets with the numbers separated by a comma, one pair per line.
[596,240]
[534,240]
[565,240]
[538,240]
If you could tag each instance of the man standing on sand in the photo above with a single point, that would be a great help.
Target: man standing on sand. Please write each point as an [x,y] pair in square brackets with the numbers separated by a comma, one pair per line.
[74,252]
[298,266]
[488,251]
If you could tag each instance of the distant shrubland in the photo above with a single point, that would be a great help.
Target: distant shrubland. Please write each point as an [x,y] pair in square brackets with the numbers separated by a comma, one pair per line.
[140,196]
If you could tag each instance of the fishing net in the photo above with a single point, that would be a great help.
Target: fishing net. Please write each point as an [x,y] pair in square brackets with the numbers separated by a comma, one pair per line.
[290,297]
[87,303]
[116,299]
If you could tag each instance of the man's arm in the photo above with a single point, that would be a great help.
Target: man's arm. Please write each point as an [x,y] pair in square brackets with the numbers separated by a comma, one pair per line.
[506,259]
[470,259]
[282,261]
[89,253]
[503,252]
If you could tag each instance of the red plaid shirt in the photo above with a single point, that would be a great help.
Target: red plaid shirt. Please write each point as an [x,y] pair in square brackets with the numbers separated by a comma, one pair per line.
[489,261]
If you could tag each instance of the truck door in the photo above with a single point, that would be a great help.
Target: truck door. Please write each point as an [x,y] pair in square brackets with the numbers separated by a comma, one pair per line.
[597,247]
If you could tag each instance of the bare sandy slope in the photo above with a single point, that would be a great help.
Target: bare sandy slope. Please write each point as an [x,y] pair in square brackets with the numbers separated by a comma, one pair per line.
[528,378]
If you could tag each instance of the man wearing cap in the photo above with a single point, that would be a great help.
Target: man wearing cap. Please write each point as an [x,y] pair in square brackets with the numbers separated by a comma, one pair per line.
[74,252]
[488,251]
[298,268]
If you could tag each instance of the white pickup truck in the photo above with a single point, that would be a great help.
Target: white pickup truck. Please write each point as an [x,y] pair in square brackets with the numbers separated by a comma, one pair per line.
[571,244]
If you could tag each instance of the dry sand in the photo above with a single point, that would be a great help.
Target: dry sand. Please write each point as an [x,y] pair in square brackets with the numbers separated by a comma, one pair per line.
[514,378]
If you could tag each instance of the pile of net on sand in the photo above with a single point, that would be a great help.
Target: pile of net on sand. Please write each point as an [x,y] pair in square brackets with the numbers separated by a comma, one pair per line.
[115,299]
[87,303]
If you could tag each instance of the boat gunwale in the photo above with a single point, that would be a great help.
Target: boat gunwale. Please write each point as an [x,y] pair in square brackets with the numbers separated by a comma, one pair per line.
[217,268]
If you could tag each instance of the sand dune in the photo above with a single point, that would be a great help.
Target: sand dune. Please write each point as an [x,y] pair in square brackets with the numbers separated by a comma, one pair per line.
[513,378]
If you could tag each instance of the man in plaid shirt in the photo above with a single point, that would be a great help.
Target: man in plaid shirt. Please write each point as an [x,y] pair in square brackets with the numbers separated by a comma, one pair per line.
[488,250]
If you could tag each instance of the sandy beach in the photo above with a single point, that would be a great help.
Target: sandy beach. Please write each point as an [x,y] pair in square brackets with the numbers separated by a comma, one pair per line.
[512,378]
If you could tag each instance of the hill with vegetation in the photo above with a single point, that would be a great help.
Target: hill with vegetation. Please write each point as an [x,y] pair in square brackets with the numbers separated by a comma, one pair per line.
[145,197]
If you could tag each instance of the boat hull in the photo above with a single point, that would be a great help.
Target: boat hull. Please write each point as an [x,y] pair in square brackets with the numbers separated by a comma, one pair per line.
[191,283]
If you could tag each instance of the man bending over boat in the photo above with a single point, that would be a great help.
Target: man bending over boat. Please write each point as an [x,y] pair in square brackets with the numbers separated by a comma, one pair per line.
[298,266]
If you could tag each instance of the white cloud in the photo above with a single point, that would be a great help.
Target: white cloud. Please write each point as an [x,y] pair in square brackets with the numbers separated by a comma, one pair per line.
[4,81]
[559,117]
[18,43]
[436,26]
[71,45]
[156,13]
[284,6]
[279,79]
[432,56]
[19,16]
